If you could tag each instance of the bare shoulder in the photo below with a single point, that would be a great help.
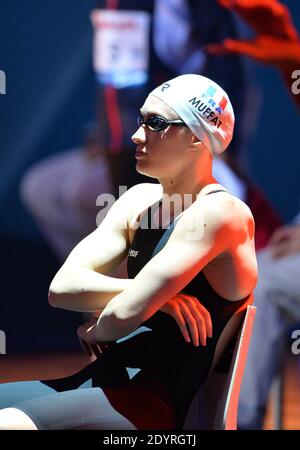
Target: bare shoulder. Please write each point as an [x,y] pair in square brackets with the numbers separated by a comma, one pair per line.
[227,207]
[140,197]
[231,213]
[146,189]
[107,246]
[142,191]
[136,197]
[214,212]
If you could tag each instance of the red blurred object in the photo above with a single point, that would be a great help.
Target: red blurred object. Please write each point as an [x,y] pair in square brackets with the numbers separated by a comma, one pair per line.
[265,217]
[265,17]
[276,43]
[283,54]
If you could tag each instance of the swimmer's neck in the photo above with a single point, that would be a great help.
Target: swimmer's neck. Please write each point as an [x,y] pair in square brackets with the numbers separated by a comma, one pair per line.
[189,180]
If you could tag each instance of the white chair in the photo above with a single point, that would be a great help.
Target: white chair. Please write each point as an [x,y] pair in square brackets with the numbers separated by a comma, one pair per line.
[215,406]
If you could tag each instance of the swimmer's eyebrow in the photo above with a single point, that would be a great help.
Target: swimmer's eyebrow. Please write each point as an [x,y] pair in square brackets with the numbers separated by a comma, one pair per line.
[155,113]
[150,113]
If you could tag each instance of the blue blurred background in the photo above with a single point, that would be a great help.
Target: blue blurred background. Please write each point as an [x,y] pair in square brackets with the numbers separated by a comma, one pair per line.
[46,53]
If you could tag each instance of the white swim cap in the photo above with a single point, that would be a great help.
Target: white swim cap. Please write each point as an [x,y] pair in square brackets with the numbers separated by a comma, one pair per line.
[203,105]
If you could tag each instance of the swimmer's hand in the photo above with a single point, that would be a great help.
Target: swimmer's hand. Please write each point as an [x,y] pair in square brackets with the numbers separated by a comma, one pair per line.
[192,318]
[90,347]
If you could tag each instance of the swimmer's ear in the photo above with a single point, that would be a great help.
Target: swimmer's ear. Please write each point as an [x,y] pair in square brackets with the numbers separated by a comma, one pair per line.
[196,142]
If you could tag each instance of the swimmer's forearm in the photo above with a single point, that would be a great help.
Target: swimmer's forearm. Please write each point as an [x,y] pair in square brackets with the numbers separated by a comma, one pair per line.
[111,326]
[84,290]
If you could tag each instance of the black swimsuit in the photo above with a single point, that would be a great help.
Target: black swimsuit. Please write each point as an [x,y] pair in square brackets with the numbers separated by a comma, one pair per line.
[172,370]
[163,353]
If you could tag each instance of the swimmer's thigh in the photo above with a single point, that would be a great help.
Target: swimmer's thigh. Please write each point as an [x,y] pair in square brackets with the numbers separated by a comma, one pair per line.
[75,409]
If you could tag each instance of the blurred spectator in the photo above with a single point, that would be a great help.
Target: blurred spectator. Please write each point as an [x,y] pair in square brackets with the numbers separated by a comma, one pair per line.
[277,295]
[61,193]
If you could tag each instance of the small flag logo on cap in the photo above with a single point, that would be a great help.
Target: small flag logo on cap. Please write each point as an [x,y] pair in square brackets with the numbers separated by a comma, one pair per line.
[210,92]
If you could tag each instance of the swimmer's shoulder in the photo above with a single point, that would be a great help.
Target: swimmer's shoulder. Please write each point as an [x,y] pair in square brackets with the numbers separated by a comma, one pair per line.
[215,205]
[140,197]
[148,189]
[142,193]
[218,198]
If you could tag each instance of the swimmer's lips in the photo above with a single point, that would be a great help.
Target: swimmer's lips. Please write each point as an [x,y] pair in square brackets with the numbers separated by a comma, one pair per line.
[140,154]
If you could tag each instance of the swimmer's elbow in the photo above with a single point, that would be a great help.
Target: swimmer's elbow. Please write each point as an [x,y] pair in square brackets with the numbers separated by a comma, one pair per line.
[113,324]
[54,300]
[59,289]
[56,290]
[55,295]
[65,290]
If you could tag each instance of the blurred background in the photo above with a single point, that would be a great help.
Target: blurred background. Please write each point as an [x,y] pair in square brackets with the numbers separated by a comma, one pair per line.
[55,100]
[46,54]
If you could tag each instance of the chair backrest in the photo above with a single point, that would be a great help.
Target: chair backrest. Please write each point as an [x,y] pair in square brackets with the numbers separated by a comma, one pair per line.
[216,404]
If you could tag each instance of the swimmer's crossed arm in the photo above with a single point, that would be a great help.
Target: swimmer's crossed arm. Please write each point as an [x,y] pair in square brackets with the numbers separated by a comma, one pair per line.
[196,240]
[82,283]
[189,249]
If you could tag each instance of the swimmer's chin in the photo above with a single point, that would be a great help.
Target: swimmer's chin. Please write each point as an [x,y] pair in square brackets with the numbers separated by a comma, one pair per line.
[144,171]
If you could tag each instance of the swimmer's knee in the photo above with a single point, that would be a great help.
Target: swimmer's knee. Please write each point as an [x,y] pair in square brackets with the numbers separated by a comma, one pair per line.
[15,419]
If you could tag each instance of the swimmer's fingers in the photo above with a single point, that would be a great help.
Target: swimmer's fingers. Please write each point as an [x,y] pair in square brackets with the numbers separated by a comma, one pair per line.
[102,346]
[175,312]
[196,324]
[197,308]
[192,328]
[96,350]
[171,307]
[89,348]
[85,347]
[192,318]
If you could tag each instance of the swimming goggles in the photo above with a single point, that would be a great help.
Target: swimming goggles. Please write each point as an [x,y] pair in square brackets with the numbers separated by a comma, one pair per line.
[158,123]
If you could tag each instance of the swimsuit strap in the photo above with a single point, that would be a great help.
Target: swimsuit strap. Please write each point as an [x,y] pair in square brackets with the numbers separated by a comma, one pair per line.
[161,243]
[217,190]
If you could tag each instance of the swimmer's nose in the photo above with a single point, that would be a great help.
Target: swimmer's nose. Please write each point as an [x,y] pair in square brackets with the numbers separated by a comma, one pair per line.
[139,137]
